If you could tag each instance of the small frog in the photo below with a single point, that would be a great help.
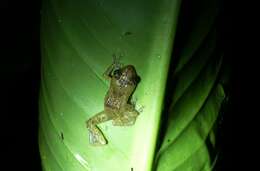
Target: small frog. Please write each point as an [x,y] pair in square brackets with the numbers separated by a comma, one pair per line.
[117,105]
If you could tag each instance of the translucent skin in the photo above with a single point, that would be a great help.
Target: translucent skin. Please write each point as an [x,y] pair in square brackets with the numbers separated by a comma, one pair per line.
[117,106]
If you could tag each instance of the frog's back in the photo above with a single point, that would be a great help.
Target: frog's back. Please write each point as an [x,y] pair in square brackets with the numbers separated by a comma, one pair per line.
[116,96]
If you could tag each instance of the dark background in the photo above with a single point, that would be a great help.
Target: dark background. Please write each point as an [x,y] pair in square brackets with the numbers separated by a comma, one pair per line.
[20,80]
[20,76]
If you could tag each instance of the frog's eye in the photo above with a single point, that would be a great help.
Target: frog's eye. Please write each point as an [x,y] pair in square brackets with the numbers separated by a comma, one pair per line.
[117,73]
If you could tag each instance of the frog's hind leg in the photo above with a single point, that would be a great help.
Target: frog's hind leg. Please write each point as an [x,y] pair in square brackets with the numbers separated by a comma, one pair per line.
[128,118]
[96,136]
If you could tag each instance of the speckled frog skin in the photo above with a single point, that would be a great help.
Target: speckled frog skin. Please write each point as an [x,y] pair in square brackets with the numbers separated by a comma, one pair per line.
[117,105]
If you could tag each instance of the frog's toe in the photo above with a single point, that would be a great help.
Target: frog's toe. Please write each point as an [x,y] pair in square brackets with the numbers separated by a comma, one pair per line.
[96,139]
[141,109]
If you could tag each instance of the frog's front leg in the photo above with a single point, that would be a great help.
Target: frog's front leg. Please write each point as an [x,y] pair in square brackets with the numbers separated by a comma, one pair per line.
[96,137]
[127,118]
[115,65]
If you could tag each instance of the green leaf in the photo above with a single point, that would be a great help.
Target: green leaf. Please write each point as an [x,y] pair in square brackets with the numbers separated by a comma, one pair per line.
[78,41]
[189,137]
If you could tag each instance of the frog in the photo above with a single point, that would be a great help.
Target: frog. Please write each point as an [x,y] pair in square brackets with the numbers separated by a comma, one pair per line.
[117,102]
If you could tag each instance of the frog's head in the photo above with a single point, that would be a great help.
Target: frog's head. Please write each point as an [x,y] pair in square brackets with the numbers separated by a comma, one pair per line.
[126,75]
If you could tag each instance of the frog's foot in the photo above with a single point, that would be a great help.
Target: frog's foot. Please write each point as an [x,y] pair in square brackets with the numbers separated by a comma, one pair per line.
[118,122]
[133,101]
[141,109]
[129,123]
[123,121]
[97,138]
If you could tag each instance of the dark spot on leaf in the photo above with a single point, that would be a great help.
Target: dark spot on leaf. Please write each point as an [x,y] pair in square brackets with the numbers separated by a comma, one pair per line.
[128,33]
[62,136]
[168,140]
